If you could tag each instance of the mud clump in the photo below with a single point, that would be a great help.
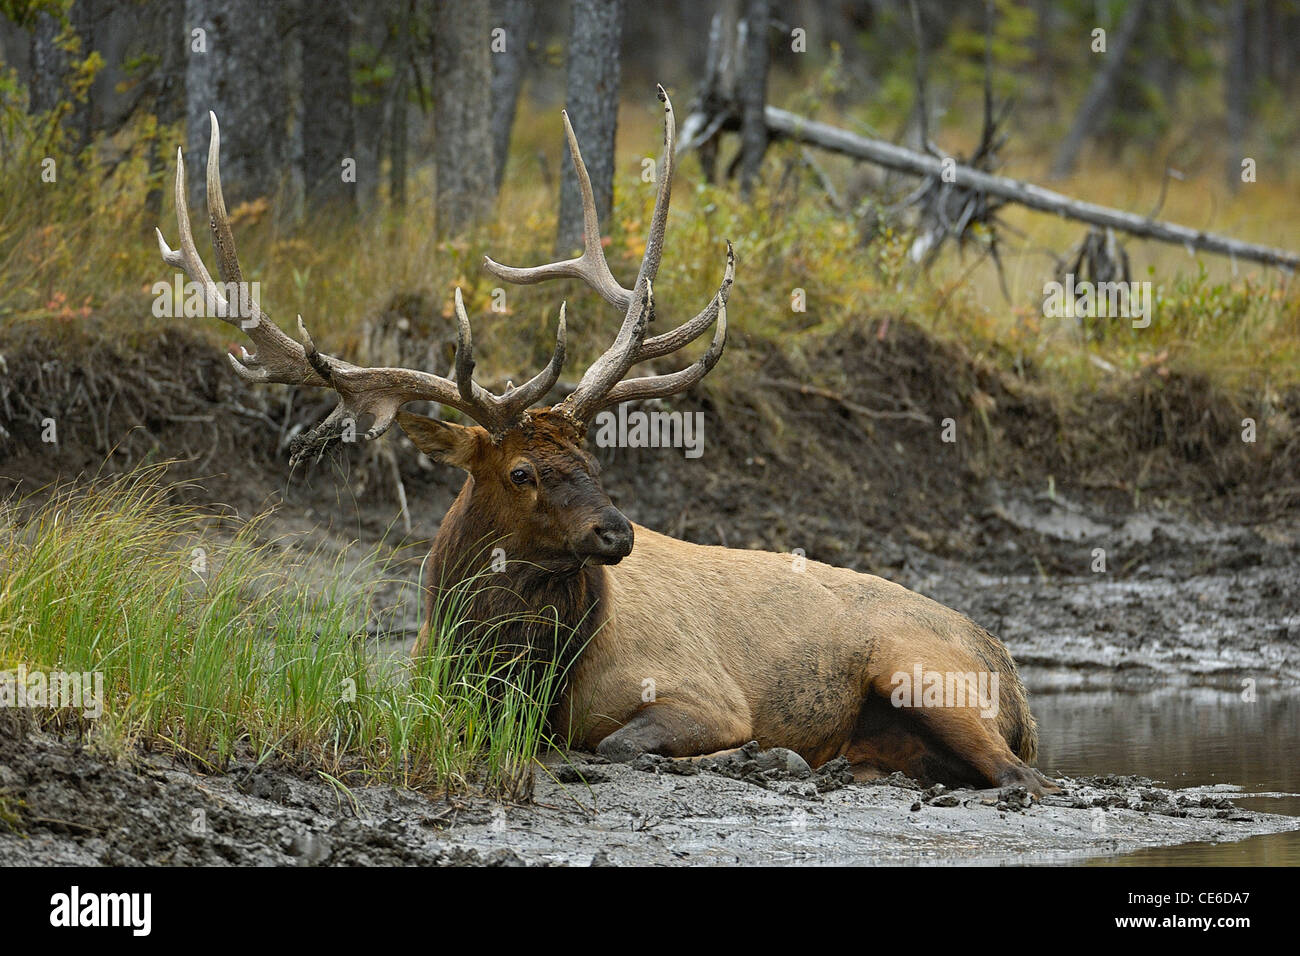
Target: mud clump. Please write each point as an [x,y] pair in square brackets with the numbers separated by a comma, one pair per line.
[581,773]
[264,785]
[775,767]
[761,767]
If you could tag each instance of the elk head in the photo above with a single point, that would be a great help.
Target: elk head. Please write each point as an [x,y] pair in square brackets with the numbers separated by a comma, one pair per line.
[531,481]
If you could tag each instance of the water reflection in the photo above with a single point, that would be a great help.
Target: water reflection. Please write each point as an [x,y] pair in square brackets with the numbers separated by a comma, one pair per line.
[1183,737]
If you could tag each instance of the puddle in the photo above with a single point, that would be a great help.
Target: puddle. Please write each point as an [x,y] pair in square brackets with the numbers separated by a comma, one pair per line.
[1185,737]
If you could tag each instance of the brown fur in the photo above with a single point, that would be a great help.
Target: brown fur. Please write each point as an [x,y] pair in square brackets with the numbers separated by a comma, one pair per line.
[687,649]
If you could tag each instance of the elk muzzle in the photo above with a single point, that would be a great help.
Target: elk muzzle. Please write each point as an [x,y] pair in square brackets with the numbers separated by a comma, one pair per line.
[609,538]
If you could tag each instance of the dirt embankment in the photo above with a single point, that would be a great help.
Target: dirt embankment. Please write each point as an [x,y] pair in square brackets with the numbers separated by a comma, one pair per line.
[875,437]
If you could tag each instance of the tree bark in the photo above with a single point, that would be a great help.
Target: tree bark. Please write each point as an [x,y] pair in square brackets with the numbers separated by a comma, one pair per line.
[1097,100]
[49,64]
[462,84]
[328,132]
[1235,86]
[169,94]
[515,17]
[52,64]
[753,94]
[591,98]
[240,77]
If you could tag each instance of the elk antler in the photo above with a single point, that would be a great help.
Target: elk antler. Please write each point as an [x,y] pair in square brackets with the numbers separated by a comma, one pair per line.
[603,385]
[374,392]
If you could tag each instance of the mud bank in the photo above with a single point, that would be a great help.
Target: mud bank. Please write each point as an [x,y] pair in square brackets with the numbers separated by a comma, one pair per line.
[65,805]
[1174,600]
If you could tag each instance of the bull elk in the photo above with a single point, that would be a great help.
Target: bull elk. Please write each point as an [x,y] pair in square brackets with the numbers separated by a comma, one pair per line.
[740,645]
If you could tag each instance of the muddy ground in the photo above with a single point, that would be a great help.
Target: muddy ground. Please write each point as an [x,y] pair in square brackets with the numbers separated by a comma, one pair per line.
[1199,535]
[75,808]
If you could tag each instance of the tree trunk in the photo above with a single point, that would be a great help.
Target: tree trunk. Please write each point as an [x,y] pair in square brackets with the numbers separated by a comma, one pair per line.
[515,17]
[328,136]
[753,94]
[49,64]
[397,140]
[52,65]
[1098,98]
[1235,87]
[462,85]
[591,98]
[169,96]
[240,77]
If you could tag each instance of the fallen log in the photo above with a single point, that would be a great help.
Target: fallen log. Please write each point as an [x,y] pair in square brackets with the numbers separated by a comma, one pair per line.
[783,124]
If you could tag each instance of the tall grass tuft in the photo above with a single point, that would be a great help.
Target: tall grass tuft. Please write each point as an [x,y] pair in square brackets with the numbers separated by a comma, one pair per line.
[215,645]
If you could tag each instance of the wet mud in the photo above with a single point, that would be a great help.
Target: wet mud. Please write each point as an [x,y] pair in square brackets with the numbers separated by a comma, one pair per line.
[67,805]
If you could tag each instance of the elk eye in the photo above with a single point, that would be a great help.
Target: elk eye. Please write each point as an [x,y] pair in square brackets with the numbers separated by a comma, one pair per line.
[520,476]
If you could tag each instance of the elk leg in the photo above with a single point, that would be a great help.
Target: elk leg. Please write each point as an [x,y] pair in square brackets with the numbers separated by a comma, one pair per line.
[974,740]
[663,729]
[961,729]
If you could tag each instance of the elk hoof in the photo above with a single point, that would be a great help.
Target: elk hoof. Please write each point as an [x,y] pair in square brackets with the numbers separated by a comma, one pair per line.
[619,749]
[1018,775]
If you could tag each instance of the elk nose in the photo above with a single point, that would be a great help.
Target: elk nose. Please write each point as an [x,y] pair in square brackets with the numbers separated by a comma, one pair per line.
[613,534]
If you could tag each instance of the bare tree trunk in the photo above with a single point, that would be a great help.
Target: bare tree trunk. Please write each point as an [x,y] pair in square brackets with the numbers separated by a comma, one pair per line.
[591,97]
[169,92]
[717,96]
[1235,86]
[515,17]
[328,136]
[49,64]
[51,68]
[398,127]
[1097,100]
[753,93]
[462,84]
[240,77]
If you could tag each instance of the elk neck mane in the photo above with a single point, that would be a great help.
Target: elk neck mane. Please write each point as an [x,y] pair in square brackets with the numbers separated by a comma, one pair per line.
[550,614]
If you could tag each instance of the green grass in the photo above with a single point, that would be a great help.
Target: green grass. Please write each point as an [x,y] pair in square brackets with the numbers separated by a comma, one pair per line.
[214,645]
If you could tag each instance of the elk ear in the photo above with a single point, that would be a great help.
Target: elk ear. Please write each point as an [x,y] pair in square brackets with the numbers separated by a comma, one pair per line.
[441,441]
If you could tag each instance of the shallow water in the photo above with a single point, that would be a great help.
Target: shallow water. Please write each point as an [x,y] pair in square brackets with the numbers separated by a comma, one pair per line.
[1184,737]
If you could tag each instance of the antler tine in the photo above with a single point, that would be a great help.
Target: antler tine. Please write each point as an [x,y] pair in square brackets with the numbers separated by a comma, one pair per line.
[223,238]
[278,358]
[629,343]
[690,330]
[616,360]
[654,246]
[187,257]
[374,392]
[591,267]
[464,361]
[498,412]
[661,386]
[536,388]
[599,385]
